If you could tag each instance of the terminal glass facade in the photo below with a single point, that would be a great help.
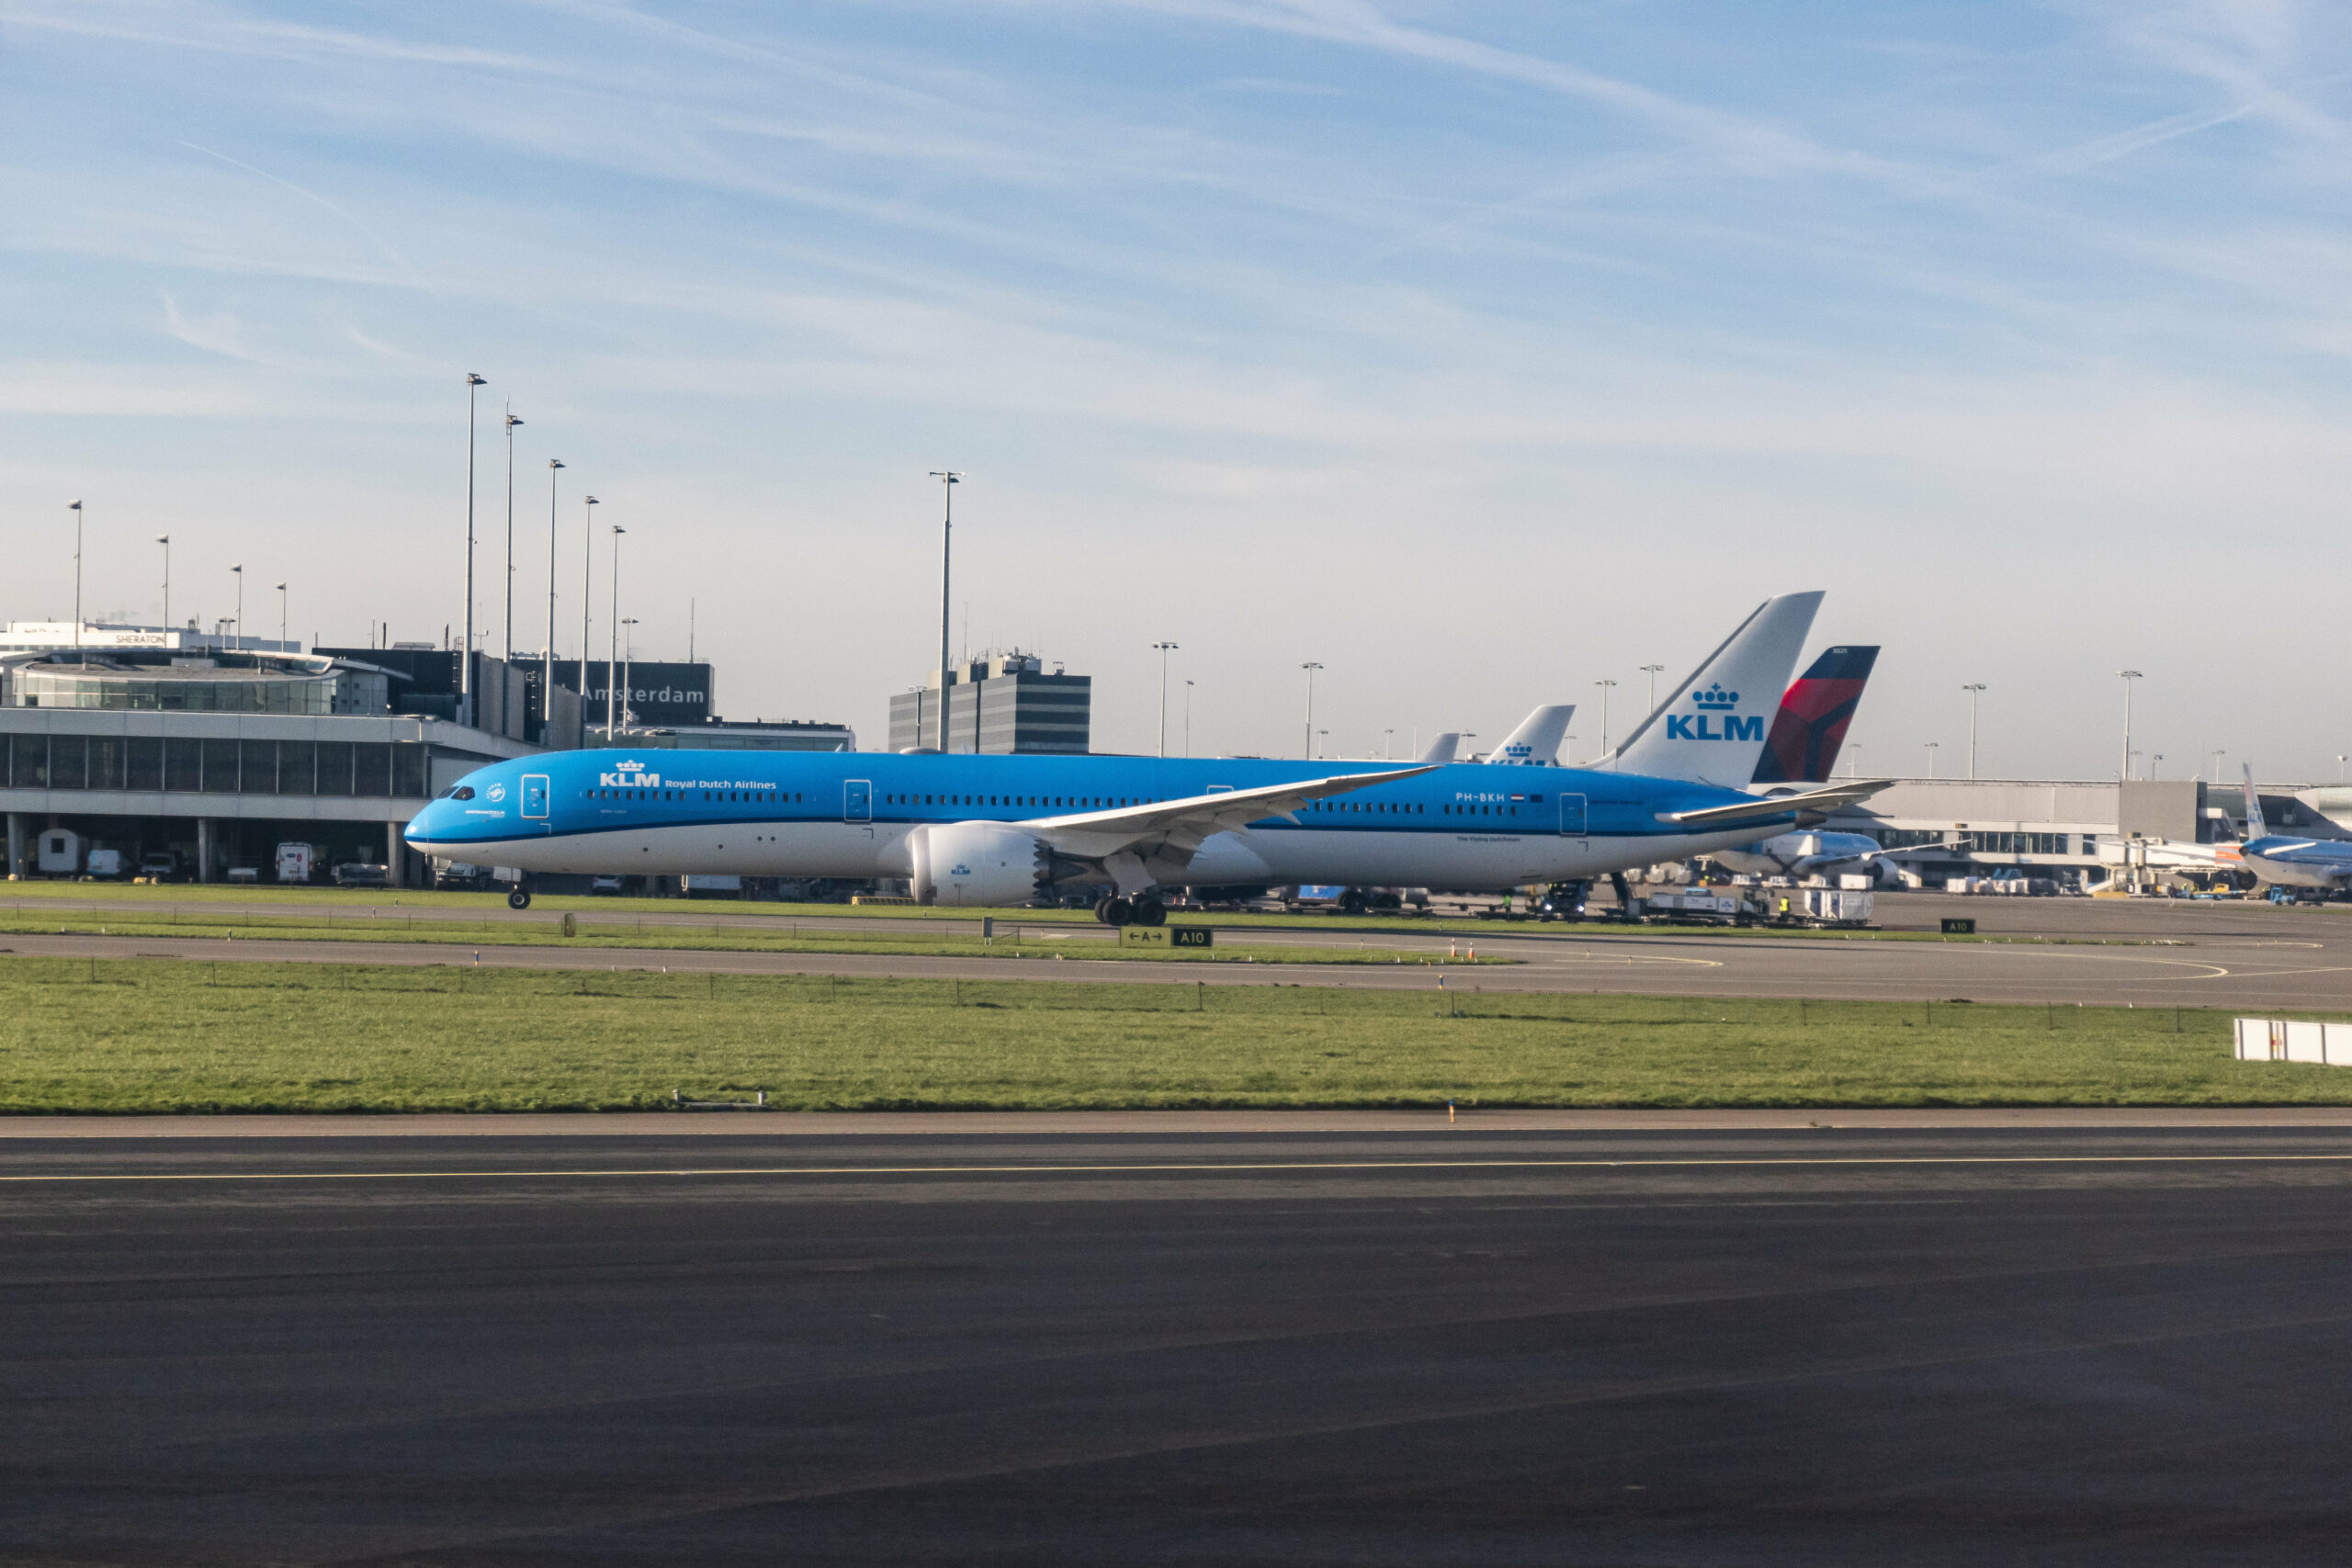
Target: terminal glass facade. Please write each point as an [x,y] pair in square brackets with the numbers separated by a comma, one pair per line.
[193,692]
[394,768]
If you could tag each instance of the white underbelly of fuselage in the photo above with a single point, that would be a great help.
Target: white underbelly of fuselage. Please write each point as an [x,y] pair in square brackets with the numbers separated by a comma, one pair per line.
[866,850]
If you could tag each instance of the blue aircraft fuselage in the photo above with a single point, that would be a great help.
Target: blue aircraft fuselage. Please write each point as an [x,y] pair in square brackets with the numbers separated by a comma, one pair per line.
[850,815]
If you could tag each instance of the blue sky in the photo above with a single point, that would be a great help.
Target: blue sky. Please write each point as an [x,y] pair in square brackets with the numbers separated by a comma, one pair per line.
[1478,353]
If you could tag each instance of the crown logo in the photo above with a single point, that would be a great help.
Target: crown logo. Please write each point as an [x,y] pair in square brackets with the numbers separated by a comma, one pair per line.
[631,766]
[1716,696]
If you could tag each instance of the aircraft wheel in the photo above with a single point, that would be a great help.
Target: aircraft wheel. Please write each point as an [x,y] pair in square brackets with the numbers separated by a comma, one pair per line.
[1151,912]
[1117,912]
[1351,903]
[1101,905]
[519,899]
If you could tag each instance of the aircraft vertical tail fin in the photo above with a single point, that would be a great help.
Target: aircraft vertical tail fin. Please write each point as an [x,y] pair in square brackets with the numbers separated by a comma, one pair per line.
[2255,826]
[1441,750]
[1710,729]
[1810,728]
[1536,741]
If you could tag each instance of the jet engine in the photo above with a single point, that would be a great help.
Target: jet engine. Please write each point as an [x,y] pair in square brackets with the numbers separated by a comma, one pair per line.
[978,864]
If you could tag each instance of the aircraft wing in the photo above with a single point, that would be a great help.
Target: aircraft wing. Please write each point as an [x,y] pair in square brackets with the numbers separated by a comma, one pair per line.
[1819,802]
[1184,825]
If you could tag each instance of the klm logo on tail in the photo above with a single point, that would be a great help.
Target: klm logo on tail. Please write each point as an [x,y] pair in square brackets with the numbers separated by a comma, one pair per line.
[1714,700]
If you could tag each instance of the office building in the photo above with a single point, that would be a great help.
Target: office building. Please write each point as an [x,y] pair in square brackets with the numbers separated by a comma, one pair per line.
[1001,702]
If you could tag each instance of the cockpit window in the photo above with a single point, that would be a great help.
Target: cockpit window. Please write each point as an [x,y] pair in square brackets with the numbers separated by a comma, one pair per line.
[463,792]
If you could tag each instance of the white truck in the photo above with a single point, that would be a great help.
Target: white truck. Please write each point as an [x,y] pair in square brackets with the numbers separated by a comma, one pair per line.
[298,862]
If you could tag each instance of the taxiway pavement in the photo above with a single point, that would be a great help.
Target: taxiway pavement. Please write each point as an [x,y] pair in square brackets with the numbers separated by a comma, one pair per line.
[1940,1345]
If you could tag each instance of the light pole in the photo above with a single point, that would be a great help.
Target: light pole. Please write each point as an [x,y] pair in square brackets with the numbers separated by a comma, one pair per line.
[466,659]
[240,571]
[547,661]
[2128,676]
[948,479]
[1188,718]
[1165,649]
[76,508]
[1387,745]
[2221,752]
[1931,758]
[1973,688]
[2153,770]
[506,649]
[2339,767]
[1652,671]
[1606,687]
[281,616]
[628,661]
[166,540]
[587,594]
[1310,667]
[612,662]
[1325,750]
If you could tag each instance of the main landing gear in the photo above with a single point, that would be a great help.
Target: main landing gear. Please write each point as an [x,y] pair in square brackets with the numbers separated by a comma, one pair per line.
[520,898]
[1144,912]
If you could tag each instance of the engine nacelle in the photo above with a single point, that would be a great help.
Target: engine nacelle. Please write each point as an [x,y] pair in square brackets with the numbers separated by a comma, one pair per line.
[978,864]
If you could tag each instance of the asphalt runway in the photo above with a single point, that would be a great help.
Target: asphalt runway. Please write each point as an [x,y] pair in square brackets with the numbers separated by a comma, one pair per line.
[1955,1343]
[2141,953]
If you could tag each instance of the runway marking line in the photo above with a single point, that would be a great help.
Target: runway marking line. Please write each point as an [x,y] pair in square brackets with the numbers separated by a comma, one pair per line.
[1195,1168]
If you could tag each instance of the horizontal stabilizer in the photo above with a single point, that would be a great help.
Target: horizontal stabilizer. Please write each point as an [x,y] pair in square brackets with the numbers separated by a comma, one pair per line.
[1816,803]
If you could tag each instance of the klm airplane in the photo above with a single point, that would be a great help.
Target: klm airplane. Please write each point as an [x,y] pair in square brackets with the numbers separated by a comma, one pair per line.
[980,831]
[2283,860]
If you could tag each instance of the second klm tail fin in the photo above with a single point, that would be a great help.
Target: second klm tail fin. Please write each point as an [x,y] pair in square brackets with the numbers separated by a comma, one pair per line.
[1443,748]
[1710,730]
[1810,728]
[1537,742]
[2255,826]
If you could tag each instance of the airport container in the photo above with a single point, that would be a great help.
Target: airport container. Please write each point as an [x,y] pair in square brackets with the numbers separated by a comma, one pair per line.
[1699,903]
[60,851]
[1837,907]
[712,886]
[1849,883]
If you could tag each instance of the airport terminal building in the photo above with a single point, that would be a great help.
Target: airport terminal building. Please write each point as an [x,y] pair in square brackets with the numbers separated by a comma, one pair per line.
[2042,828]
[215,750]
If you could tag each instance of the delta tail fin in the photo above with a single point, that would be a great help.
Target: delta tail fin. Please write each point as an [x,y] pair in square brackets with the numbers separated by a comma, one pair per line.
[2255,826]
[1711,728]
[1537,742]
[1804,742]
[1443,748]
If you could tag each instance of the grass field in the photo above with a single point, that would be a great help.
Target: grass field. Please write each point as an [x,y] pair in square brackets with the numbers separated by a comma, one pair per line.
[162,1036]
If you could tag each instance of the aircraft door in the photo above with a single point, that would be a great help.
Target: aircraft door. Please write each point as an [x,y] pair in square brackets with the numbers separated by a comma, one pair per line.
[534,797]
[857,800]
[1572,824]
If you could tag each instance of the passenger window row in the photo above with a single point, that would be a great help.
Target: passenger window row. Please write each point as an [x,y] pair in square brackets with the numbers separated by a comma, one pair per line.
[759,797]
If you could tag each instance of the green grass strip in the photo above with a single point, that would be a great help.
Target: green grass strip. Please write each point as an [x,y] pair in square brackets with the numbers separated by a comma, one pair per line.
[147,1035]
